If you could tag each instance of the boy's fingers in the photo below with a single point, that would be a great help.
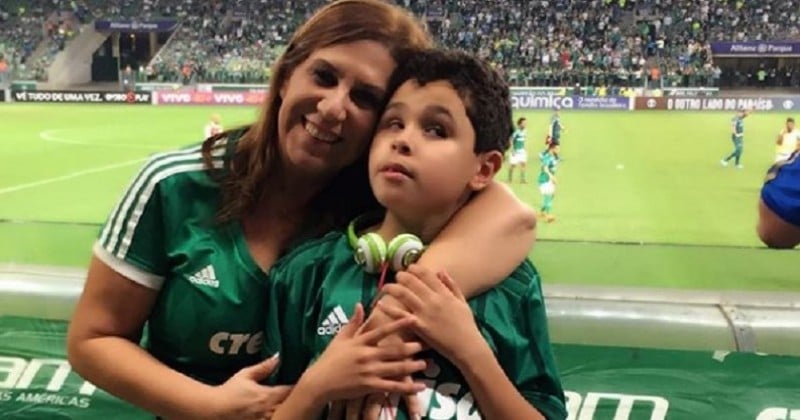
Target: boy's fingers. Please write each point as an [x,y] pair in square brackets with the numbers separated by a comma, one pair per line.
[405,296]
[399,351]
[426,276]
[450,284]
[412,282]
[374,336]
[393,312]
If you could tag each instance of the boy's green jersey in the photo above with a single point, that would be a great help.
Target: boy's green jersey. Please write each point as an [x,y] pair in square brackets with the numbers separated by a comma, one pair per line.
[312,295]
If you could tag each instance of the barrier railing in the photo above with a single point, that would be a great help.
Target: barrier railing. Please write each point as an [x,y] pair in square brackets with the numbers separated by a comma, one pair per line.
[600,381]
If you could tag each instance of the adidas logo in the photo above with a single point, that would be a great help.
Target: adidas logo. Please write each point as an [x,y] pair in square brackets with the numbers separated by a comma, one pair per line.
[333,323]
[205,277]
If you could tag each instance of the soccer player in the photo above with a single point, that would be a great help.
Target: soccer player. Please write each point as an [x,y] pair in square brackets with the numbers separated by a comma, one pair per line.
[519,156]
[439,141]
[555,131]
[737,137]
[788,141]
[547,181]
[213,127]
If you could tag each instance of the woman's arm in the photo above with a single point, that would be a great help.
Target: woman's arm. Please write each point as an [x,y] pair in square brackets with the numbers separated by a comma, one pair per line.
[485,241]
[102,347]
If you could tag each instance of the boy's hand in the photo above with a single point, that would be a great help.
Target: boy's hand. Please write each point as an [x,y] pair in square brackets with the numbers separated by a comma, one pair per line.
[354,365]
[438,310]
[369,408]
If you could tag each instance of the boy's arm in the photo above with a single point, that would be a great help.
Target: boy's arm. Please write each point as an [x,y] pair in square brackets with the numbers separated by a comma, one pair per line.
[525,379]
[483,243]
[522,374]
[494,393]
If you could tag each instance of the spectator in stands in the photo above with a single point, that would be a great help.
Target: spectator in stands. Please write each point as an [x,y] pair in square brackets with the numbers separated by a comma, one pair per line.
[3,70]
[552,43]
[186,249]
[779,207]
[128,79]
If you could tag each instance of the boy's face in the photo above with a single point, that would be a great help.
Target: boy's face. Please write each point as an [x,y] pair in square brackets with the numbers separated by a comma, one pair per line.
[422,160]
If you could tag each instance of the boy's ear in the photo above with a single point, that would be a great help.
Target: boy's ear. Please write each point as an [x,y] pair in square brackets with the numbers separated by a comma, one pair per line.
[489,164]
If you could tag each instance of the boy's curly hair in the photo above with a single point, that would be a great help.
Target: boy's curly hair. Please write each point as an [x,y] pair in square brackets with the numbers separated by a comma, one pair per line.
[485,94]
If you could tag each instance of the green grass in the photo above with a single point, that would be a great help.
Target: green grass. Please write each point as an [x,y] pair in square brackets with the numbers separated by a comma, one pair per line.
[642,198]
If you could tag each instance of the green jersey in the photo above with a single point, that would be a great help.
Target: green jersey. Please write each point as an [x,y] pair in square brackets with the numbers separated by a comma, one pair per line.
[738,128]
[518,139]
[549,163]
[314,289]
[207,321]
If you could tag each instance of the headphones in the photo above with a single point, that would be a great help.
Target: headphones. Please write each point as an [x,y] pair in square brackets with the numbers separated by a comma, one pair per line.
[373,253]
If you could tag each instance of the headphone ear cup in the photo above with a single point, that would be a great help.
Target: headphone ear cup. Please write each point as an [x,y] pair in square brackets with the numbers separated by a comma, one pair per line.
[404,250]
[371,252]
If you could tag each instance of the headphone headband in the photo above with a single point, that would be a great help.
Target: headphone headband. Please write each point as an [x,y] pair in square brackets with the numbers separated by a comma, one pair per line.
[360,223]
[373,253]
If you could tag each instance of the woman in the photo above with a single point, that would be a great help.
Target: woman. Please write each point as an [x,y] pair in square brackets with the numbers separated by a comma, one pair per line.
[186,249]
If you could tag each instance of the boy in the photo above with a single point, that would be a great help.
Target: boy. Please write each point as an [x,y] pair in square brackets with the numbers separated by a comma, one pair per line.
[519,156]
[439,140]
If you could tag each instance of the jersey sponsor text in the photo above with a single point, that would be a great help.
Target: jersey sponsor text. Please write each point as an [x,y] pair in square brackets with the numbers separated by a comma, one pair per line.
[228,343]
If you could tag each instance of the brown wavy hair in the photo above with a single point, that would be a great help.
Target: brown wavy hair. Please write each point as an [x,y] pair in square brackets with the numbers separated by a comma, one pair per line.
[253,164]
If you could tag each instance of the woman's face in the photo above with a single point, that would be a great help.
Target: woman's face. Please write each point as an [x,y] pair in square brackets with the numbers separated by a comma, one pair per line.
[330,103]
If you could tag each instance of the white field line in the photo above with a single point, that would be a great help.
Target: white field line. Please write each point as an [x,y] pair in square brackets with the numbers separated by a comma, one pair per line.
[52,137]
[71,175]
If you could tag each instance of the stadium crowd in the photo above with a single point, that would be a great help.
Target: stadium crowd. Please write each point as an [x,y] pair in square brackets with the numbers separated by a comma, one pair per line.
[543,42]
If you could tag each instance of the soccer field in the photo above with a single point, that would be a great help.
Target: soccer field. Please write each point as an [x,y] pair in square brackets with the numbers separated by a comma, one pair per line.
[642,199]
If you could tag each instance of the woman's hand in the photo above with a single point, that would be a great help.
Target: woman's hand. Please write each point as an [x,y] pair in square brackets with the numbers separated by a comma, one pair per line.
[242,397]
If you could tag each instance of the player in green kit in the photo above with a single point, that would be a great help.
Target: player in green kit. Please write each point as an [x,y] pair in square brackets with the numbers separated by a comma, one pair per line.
[519,156]
[547,181]
[439,141]
[737,137]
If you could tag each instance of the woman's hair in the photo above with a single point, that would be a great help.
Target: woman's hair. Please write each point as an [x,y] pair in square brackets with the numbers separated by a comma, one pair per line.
[254,163]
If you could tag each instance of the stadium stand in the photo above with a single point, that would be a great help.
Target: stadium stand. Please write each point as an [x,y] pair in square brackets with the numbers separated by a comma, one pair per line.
[541,43]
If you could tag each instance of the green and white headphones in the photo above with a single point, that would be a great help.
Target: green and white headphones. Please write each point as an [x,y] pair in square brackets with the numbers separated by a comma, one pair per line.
[373,252]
